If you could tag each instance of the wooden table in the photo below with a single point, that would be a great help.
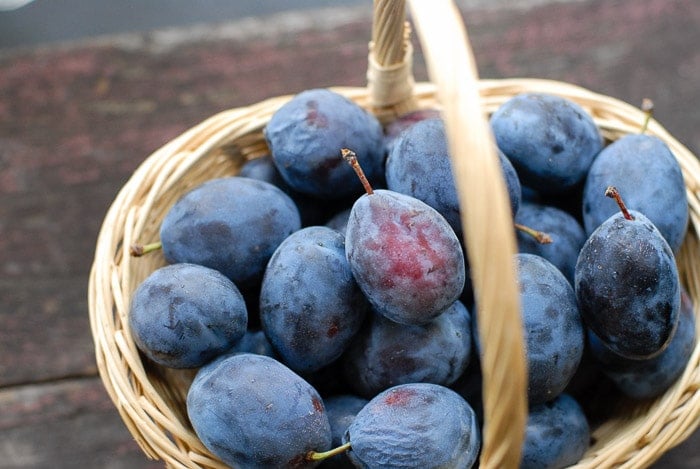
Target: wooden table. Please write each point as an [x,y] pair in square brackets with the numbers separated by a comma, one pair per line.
[76,120]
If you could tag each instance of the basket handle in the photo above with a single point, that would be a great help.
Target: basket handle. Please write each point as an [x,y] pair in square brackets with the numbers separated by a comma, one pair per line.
[486,214]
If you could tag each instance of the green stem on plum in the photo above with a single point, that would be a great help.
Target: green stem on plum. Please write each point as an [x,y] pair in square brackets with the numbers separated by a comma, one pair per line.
[648,109]
[138,250]
[540,236]
[320,456]
[613,193]
[351,158]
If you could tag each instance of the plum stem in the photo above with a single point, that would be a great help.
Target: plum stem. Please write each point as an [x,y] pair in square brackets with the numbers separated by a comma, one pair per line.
[320,456]
[138,250]
[540,236]
[613,193]
[648,109]
[351,158]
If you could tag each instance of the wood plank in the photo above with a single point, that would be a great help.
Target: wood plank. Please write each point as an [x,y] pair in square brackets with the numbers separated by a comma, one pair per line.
[45,331]
[65,424]
[622,48]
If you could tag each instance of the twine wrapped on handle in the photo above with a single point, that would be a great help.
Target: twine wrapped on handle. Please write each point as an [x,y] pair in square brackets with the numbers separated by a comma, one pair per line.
[151,399]
[390,62]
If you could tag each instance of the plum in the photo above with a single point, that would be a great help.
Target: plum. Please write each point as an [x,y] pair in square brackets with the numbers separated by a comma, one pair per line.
[306,133]
[419,425]
[231,224]
[310,305]
[251,411]
[403,254]
[627,284]
[554,332]
[643,168]
[183,315]
[557,434]
[550,140]
[566,234]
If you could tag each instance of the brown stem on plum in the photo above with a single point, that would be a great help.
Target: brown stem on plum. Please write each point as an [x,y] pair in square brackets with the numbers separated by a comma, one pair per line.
[320,456]
[540,236]
[138,250]
[351,158]
[613,193]
[648,109]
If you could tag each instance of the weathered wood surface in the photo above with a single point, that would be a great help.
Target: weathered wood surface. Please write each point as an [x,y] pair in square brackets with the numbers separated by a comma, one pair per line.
[76,120]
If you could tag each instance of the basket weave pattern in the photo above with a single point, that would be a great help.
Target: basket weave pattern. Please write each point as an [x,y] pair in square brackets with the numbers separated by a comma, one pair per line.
[151,399]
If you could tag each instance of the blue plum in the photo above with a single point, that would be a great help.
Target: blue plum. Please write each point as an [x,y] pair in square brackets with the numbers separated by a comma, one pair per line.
[404,255]
[557,434]
[419,425]
[643,168]
[565,231]
[550,140]
[419,165]
[310,304]
[306,134]
[643,379]
[183,315]
[386,353]
[230,224]
[628,287]
[251,411]
[554,332]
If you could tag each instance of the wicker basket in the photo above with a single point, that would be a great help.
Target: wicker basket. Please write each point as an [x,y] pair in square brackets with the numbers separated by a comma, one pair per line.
[151,399]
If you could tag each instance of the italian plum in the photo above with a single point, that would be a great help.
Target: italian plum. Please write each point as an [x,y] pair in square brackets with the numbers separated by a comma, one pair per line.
[183,315]
[419,425]
[554,332]
[550,140]
[557,434]
[566,234]
[306,133]
[386,353]
[310,304]
[627,285]
[251,411]
[405,256]
[230,224]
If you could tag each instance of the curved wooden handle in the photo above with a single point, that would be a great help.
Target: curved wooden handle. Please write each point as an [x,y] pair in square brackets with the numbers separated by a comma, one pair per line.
[486,217]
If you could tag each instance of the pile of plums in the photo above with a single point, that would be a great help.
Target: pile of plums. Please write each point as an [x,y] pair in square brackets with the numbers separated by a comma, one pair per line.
[323,293]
